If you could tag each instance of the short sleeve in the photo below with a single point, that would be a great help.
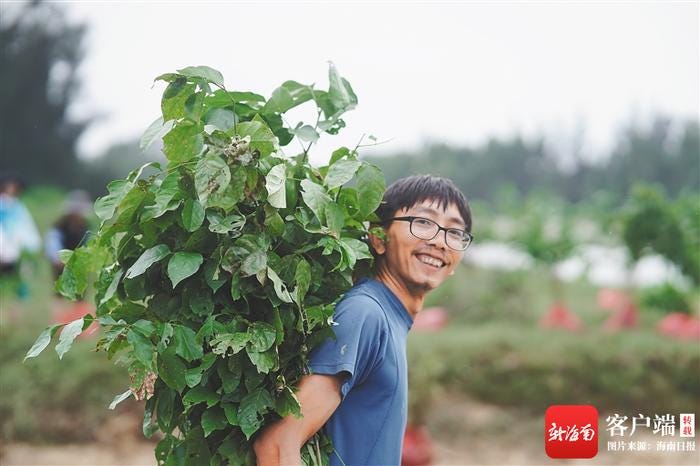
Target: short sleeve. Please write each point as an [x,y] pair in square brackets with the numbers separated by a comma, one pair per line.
[359,344]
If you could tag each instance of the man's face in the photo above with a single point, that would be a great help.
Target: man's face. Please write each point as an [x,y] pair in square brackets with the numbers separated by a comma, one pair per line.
[422,265]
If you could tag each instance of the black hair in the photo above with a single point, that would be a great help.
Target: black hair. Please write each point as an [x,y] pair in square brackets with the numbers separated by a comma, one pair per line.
[407,192]
[8,178]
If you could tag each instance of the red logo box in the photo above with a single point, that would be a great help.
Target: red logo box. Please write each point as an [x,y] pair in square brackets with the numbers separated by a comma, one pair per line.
[571,431]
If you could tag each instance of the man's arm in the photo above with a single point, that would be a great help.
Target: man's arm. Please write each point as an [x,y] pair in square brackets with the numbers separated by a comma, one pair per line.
[280,443]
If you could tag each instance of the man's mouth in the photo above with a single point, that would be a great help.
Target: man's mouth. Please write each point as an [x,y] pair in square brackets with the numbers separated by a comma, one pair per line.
[430,260]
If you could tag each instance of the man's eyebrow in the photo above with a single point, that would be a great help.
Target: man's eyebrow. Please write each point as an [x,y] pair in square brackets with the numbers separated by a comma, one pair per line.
[429,210]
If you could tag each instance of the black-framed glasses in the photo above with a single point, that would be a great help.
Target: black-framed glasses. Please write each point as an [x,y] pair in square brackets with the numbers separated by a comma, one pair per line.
[426,229]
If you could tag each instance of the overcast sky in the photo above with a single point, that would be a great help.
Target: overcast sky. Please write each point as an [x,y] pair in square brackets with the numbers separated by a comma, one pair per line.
[457,72]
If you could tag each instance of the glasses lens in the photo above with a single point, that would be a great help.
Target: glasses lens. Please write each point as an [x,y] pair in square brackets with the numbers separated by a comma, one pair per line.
[459,242]
[423,228]
[457,239]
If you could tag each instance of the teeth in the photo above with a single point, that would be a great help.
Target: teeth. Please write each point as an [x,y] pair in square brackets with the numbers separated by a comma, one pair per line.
[431,261]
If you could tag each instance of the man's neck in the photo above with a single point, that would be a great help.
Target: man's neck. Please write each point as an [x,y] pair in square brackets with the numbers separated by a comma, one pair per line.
[412,300]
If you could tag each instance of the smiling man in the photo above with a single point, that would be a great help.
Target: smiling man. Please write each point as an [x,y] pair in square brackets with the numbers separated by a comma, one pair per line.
[358,389]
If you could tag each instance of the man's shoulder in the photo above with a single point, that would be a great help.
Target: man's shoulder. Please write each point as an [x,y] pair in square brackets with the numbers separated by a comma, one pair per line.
[362,302]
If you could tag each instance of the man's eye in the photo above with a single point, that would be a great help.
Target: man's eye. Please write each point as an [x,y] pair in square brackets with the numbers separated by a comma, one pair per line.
[422,222]
[456,234]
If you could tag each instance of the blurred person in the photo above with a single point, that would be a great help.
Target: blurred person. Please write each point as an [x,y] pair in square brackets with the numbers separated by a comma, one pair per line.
[358,388]
[18,233]
[69,231]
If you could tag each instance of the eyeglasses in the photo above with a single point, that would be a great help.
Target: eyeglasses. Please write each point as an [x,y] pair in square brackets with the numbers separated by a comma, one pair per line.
[426,229]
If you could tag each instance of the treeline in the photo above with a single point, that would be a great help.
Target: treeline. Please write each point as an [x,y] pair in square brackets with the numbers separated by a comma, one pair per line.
[655,154]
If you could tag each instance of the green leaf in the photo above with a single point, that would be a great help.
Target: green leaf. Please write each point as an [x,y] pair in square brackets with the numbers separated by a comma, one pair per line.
[213,276]
[171,369]
[262,336]
[105,206]
[112,288]
[319,315]
[143,348]
[213,419]
[280,287]
[246,97]
[370,187]
[221,118]
[265,361]
[316,198]
[194,105]
[192,215]
[193,376]
[339,90]
[341,172]
[172,104]
[287,96]
[210,327]
[359,248]
[275,185]
[131,203]
[221,343]
[251,409]
[230,374]
[183,265]
[342,152]
[200,394]
[155,131]
[210,74]
[235,288]
[182,143]
[254,263]
[68,335]
[231,413]
[167,405]
[232,194]
[262,138]
[212,175]
[118,189]
[202,304]
[273,221]
[165,336]
[335,218]
[42,341]
[220,224]
[305,133]
[144,327]
[149,257]
[186,344]
[168,197]
[302,278]
[287,403]
[196,448]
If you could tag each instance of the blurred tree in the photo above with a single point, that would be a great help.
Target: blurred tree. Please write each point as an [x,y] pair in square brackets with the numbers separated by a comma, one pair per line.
[651,224]
[654,155]
[663,152]
[39,55]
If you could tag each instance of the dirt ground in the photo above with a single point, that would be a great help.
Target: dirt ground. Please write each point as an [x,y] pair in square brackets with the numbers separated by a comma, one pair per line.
[465,433]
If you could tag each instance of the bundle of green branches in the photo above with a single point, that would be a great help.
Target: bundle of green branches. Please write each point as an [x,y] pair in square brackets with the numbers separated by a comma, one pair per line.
[217,274]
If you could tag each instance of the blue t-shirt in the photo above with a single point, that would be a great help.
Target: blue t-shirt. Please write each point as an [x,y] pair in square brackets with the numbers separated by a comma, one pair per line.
[368,426]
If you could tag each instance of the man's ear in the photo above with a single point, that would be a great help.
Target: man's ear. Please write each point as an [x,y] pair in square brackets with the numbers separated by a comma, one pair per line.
[377,241]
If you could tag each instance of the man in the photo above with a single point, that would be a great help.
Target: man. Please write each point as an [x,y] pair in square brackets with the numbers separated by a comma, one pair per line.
[358,387]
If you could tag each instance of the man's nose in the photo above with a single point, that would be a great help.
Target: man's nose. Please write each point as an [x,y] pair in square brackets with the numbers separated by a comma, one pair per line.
[439,241]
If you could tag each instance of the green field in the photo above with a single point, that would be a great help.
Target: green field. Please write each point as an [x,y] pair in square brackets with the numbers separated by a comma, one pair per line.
[492,351]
